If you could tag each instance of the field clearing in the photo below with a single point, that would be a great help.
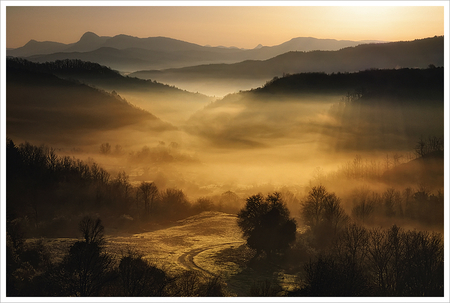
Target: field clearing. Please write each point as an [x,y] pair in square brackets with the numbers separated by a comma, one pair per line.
[197,233]
[210,242]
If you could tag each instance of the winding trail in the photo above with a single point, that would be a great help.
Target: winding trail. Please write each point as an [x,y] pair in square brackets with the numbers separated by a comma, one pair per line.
[187,259]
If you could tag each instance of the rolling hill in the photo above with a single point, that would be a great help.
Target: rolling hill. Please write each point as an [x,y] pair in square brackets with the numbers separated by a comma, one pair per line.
[97,75]
[404,84]
[45,108]
[427,171]
[368,110]
[155,97]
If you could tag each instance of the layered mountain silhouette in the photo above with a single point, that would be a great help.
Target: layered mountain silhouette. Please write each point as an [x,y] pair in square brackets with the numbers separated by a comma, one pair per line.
[417,53]
[220,79]
[128,53]
[47,108]
[60,93]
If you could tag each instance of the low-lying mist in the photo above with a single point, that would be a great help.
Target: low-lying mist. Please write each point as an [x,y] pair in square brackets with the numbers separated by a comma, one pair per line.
[245,144]
[295,132]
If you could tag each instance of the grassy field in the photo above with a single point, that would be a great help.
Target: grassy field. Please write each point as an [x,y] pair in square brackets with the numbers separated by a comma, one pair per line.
[210,242]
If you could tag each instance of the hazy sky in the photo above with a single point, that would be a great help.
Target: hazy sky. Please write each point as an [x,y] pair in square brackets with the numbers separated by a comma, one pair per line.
[240,26]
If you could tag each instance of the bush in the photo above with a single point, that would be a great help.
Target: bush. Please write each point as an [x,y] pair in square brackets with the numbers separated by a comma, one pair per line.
[138,278]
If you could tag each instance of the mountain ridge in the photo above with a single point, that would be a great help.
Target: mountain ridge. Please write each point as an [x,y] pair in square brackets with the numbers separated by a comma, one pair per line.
[419,53]
[174,52]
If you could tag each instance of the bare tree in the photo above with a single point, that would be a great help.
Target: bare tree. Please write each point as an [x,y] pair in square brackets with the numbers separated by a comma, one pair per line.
[92,230]
[149,193]
[363,206]
[312,207]
[323,209]
[105,148]
[420,148]
[380,252]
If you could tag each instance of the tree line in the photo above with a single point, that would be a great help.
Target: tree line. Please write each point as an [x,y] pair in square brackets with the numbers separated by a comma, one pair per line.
[61,189]
[412,84]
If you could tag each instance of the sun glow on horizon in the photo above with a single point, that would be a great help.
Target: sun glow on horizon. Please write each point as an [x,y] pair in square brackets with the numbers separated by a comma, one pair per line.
[243,27]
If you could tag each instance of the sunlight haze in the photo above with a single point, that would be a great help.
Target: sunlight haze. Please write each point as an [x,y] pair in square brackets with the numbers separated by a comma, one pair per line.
[243,27]
[287,149]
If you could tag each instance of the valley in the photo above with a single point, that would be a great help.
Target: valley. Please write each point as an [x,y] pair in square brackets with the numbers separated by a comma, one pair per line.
[158,167]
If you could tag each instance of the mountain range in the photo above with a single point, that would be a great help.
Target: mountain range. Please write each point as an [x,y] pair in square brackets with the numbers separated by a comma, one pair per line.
[128,53]
[405,78]
[221,79]
[417,53]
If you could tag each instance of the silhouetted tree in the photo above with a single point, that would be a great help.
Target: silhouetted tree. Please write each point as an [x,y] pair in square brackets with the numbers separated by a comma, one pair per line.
[380,253]
[203,204]
[149,193]
[363,210]
[322,211]
[174,204]
[85,269]
[341,270]
[266,225]
[392,203]
[92,230]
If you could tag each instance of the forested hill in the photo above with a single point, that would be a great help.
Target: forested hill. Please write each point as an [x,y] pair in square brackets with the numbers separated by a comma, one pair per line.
[46,108]
[62,67]
[92,74]
[407,83]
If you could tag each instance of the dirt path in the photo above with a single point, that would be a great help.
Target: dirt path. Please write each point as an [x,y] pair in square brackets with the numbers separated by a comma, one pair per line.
[187,259]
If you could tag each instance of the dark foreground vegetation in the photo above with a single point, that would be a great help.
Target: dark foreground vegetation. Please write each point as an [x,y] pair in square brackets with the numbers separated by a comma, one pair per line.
[334,249]
[87,270]
[340,256]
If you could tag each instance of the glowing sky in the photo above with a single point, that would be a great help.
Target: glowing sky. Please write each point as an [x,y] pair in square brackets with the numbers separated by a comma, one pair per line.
[240,26]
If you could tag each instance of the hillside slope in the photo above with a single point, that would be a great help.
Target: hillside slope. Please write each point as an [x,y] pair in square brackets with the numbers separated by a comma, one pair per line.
[167,102]
[426,171]
[43,107]
[369,110]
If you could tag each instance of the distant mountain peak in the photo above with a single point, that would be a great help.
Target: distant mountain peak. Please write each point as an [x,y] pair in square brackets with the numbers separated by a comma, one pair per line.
[89,36]
[258,46]
[32,41]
